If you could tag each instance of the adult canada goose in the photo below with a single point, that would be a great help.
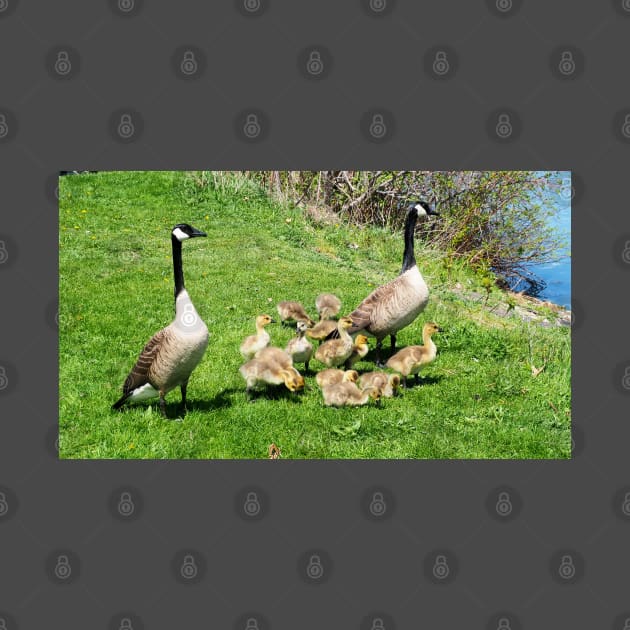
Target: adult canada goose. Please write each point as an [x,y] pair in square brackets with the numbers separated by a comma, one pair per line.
[409,360]
[335,351]
[322,329]
[252,344]
[327,305]
[394,305]
[332,376]
[293,311]
[359,350]
[387,384]
[260,372]
[300,348]
[174,352]
[349,394]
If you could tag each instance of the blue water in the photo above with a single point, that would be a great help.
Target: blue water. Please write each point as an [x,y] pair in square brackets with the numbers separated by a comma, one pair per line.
[557,275]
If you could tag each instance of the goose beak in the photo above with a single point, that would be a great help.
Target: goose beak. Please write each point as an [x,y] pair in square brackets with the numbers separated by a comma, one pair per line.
[197,232]
[433,212]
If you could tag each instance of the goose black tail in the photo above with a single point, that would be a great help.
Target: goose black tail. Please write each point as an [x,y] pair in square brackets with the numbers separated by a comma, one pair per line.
[120,402]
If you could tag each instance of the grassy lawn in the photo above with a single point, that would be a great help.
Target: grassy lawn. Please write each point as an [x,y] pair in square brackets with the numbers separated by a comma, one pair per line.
[479,398]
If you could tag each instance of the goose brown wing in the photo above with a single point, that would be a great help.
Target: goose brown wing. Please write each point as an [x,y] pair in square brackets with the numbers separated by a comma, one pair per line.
[139,374]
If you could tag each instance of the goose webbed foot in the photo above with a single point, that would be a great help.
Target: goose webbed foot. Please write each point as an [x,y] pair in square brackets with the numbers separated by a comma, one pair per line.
[416,379]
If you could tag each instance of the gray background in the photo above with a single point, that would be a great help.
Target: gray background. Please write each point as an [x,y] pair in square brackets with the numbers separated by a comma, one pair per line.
[376,58]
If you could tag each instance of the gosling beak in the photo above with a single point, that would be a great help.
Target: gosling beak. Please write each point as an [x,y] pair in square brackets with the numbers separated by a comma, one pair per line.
[272,321]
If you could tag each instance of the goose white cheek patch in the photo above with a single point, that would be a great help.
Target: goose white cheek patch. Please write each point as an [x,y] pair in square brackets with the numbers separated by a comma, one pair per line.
[180,235]
[420,210]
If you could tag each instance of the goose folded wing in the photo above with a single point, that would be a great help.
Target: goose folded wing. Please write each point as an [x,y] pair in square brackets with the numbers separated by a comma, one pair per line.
[139,374]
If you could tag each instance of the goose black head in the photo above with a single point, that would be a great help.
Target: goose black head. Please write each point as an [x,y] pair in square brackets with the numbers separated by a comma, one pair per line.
[423,208]
[182,231]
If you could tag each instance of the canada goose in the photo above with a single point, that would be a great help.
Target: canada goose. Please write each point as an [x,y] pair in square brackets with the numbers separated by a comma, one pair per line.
[327,305]
[394,305]
[332,376]
[260,340]
[387,384]
[174,352]
[300,348]
[322,329]
[293,311]
[259,372]
[335,351]
[349,394]
[409,360]
[359,350]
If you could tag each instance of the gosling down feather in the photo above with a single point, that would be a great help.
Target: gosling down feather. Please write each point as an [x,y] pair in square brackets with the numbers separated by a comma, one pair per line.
[348,394]
[332,376]
[387,384]
[300,348]
[322,329]
[409,360]
[359,350]
[252,344]
[327,305]
[336,351]
[170,356]
[393,306]
[293,311]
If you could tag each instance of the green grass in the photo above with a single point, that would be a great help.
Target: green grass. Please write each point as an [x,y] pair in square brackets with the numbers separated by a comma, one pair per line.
[479,399]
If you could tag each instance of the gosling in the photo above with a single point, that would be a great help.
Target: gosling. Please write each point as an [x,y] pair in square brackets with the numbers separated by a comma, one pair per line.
[260,340]
[332,376]
[336,351]
[293,311]
[359,350]
[300,348]
[322,329]
[348,394]
[387,384]
[409,360]
[327,305]
[258,372]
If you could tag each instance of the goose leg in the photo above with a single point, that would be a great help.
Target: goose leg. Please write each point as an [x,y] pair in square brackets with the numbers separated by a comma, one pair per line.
[405,382]
[162,404]
[379,345]
[417,379]
[393,340]
[306,366]
[184,387]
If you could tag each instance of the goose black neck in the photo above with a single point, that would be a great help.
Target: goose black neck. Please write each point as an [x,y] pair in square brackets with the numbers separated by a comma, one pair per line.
[409,259]
[178,270]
